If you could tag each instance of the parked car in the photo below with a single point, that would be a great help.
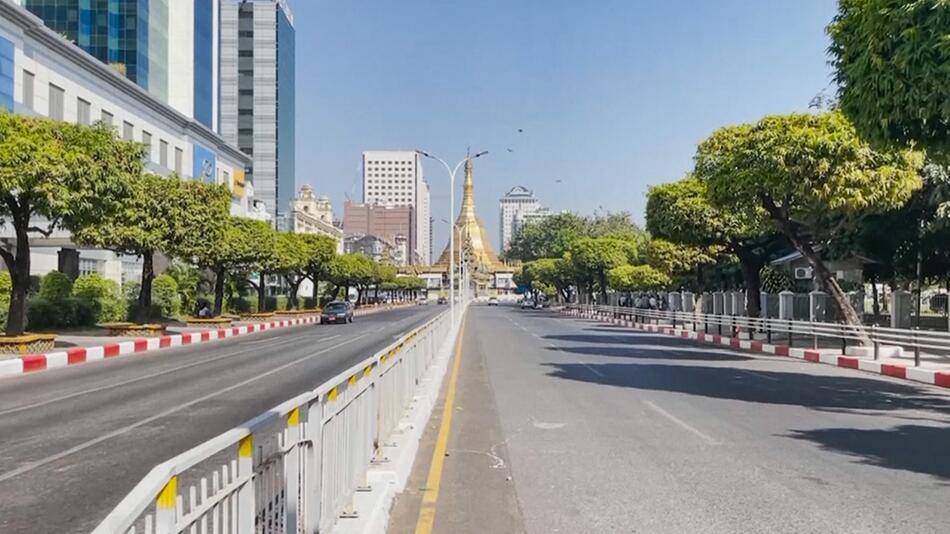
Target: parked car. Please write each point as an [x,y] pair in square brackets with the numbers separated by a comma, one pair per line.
[422,301]
[527,304]
[493,301]
[443,300]
[337,312]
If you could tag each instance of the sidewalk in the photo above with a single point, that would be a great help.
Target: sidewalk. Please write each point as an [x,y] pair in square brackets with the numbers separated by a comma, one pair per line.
[934,368]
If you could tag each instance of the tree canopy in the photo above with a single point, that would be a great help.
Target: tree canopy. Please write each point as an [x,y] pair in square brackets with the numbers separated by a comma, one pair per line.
[66,174]
[810,174]
[637,278]
[892,67]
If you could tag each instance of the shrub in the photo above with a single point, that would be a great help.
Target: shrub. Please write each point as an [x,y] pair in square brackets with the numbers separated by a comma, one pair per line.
[35,282]
[280,303]
[243,305]
[109,304]
[165,295]
[130,290]
[69,312]
[776,280]
[55,287]
[6,286]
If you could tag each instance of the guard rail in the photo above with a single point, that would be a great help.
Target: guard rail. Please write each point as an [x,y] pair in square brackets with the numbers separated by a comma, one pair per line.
[293,469]
[868,339]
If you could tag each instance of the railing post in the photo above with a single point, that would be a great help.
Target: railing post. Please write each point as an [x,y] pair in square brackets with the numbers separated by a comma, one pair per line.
[768,331]
[814,337]
[166,507]
[916,348]
[791,334]
[292,474]
[246,508]
[877,344]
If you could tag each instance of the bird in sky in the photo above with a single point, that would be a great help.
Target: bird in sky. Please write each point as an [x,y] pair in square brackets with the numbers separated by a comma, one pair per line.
[511,150]
[520,130]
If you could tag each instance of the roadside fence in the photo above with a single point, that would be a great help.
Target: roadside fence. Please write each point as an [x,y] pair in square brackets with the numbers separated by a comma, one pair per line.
[876,341]
[293,469]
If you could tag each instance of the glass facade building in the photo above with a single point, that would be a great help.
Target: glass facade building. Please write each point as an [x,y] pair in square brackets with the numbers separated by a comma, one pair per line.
[286,111]
[129,35]
[204,51]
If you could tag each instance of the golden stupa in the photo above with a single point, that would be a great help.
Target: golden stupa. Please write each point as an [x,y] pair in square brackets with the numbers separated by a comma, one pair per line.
[470,236]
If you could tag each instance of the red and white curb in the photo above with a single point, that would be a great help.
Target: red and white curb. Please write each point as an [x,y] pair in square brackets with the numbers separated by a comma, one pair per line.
[825,356]
[53,360]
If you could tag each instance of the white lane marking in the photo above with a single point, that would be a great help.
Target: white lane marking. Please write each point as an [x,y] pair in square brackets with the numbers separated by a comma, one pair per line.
[143,377]
[119,431]
[591,369]
[760,375]
[682,424]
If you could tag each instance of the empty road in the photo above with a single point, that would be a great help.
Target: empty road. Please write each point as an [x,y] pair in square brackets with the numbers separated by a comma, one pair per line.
[567,425]
[74,441]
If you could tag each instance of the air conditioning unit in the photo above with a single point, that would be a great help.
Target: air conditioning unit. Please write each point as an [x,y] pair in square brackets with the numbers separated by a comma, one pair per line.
[803,273]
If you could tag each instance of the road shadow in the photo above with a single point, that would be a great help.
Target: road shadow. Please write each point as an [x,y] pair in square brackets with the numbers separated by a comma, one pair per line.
[657,352]
[766,387]
[921,449]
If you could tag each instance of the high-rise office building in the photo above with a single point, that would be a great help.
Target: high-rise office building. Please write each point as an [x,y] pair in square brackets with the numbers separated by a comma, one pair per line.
[518,200]
[257,94]
[396,178]
[167,47]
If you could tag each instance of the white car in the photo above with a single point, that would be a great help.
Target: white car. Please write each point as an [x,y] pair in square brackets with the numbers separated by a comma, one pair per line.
[527,304]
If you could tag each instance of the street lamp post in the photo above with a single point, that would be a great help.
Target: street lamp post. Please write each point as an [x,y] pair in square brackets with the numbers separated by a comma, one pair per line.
[452,172]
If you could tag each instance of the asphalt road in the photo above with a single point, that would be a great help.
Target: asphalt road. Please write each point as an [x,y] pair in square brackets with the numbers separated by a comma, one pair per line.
[74,441]
[604,429]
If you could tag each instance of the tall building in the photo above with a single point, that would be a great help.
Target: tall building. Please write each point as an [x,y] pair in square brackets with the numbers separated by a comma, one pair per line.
[393,224]
[518,200]
[524,218]
[396,178]
[43,75]
[167,47]
[310,214]
[257,94]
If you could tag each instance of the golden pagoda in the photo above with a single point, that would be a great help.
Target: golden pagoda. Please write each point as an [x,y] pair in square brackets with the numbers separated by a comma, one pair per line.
[470,236]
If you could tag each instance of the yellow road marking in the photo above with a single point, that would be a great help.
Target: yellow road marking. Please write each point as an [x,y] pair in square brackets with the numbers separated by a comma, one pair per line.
[434,480]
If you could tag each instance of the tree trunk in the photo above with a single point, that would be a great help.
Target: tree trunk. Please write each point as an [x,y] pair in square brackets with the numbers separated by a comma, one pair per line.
[316,291]
[19,267]
[826,281]
[261,300]
[293,283]
[359,296]
[142,314]
[876,303]
[603,287]
[218,290]
[751,265]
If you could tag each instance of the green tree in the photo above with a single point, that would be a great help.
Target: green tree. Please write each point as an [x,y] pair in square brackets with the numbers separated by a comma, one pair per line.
[162,215]
[811,176]
[69,175]
[165,295]
[891,62]
[681,212]
[291,256]
[549,238]
[637,278]
[55,287]
[109,304]
[242,246]
[320,250]
[353,270]
[592,258]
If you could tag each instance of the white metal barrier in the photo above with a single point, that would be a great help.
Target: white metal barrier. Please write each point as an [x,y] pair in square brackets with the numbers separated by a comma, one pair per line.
[918,341]
[293,469]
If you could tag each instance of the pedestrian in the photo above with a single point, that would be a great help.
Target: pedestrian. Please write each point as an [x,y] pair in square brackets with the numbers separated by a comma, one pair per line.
[204,312]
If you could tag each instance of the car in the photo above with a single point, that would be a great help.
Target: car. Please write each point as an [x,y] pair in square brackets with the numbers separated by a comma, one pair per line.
[337,312]
[422,301]
[442,300]
[527,304]
[493,301]
[539,305]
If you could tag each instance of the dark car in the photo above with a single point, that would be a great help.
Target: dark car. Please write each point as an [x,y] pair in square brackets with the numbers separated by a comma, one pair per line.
[443,300]
[337,312]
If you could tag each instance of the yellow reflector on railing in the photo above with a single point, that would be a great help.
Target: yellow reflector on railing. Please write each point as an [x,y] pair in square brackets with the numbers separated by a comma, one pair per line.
[332,394]
[352,380]
[368,370]
[246,446]
[293,418]
[169,494]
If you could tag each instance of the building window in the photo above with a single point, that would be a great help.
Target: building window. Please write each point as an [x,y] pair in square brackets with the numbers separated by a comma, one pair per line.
[179,156]
[83,111]
[147,141]
[28,79]
[163,153]
[56,100]
[107,118]
[127,130]
[227,179]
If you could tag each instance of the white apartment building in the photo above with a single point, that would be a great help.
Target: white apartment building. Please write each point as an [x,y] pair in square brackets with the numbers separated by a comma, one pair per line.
[519,200]
[43,74]
[524,218]
[396,178]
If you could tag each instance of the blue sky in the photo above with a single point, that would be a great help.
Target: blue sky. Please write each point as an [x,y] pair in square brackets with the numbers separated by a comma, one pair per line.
[612,95]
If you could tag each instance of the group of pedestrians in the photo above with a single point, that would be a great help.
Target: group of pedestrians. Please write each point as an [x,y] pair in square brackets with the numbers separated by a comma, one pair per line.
[646,301]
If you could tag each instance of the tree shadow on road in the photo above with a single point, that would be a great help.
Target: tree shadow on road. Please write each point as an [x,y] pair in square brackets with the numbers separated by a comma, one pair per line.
[658,352]
[766,387]
[921,449]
